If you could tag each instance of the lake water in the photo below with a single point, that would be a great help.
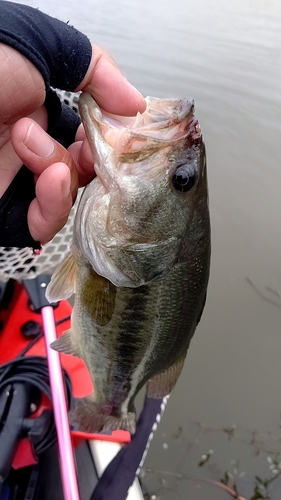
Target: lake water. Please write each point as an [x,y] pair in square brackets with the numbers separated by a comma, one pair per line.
[227,56]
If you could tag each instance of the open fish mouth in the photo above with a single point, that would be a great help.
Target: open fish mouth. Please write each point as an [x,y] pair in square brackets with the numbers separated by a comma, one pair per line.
[133,139]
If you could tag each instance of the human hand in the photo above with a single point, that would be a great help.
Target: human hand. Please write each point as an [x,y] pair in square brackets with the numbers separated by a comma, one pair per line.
[58,172]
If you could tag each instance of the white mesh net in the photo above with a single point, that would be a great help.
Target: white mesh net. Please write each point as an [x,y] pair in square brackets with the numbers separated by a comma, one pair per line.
[20,263]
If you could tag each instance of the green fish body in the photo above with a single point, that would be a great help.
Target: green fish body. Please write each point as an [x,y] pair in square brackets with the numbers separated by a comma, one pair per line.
[139,263]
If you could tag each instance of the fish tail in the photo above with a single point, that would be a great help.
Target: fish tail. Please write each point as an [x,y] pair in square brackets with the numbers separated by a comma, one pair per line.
[90,418]
[126,422]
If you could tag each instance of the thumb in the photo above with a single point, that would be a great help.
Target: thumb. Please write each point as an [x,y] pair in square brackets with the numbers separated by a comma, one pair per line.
[38,150]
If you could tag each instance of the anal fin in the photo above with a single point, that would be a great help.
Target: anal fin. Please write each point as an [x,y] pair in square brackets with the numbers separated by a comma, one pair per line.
[90,418]
[64,344]
[162,384]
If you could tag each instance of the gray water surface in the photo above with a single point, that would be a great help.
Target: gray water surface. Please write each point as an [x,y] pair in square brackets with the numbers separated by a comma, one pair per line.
[227,56]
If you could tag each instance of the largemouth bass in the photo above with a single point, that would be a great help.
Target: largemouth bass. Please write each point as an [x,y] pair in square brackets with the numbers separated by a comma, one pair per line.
[139,263]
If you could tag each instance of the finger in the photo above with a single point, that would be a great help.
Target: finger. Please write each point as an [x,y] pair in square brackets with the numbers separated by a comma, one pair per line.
[38,150]
[112,91]
[83,158]
[80,134]
[49,211]
[22,88]
[10,163]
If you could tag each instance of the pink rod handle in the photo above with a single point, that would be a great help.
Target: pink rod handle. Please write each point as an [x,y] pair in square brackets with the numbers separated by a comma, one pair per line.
[67,459]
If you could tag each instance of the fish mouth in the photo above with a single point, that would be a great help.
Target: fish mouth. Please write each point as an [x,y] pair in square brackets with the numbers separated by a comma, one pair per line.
[133,139]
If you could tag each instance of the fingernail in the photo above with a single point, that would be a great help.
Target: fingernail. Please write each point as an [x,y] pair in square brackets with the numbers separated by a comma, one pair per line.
[38,141]
[65,185]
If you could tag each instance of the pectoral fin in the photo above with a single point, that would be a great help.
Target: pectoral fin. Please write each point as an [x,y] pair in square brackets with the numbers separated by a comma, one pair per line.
[98,297]
[163,383]
[64,344]
[62,284]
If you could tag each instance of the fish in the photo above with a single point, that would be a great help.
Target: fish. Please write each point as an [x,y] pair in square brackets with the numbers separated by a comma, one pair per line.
[140,258]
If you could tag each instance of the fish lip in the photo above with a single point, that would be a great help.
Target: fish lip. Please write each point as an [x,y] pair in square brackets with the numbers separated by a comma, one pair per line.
[194,130]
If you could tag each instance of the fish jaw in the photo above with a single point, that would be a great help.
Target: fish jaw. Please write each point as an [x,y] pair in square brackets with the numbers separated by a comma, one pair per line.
[103,153]
[116,140]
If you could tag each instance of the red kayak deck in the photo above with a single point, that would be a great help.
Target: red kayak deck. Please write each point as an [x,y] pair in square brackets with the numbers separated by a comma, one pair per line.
[12,343]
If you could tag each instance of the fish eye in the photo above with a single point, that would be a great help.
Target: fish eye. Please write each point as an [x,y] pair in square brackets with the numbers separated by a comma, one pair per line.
[184,178]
